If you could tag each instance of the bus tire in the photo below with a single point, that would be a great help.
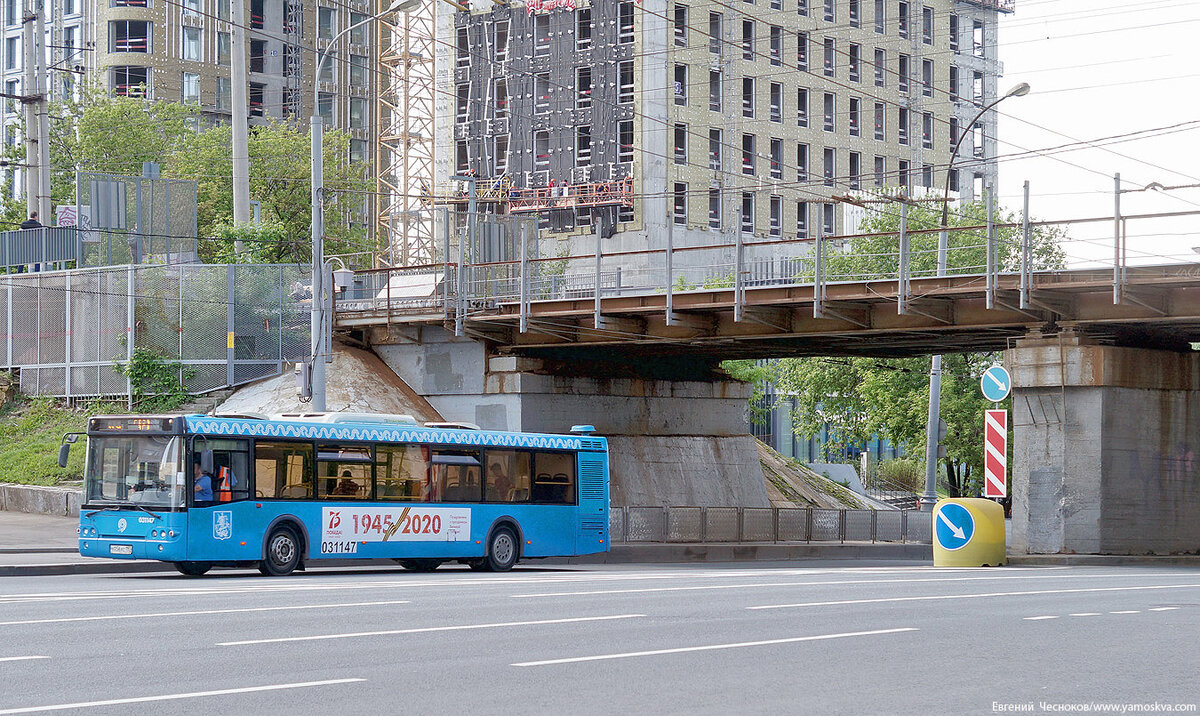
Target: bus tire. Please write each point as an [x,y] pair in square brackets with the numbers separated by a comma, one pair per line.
[282,553]
[420,565]
[502,550]
[193,569]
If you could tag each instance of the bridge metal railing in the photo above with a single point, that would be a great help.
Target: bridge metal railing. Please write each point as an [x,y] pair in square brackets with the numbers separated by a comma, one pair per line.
[766,524]
[45,245]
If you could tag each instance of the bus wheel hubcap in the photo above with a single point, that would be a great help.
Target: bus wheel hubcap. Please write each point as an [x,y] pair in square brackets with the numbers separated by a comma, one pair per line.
[502,548]
[282,549]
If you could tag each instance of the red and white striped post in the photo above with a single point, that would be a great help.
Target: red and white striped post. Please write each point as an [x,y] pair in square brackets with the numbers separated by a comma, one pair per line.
[995,453]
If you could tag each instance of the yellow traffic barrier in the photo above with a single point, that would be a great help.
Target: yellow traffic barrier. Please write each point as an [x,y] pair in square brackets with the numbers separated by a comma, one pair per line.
[968,532]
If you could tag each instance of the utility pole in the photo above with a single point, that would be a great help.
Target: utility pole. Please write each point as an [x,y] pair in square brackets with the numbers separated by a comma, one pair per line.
[241,114]
[29,86]
[43,114]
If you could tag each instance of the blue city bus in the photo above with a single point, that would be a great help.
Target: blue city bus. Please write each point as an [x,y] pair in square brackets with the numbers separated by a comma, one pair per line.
[281,492]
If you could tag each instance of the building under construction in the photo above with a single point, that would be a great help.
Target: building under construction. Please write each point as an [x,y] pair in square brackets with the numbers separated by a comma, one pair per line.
[709,117]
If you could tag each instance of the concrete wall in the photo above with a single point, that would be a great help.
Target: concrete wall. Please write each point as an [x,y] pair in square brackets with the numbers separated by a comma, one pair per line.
[672,442]
[1104,449]
[61,501]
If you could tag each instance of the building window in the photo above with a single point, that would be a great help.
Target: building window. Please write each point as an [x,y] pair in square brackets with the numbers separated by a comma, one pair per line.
[12,53]
[977,37]
[327,74]
[830,169]
[776,102]
[830,62]
[880,63]
[129,36]
[462,48]
[855,18]
[625,82]
[902,124]
[977,88]
[500,38]
[953,83]
[801,162]
[927,25]
[748,154]
[462,159]
[827,219]
[880,174]
[829,15]
[855,62]
[747,213]
[714,208]
[953,131]
[130,81]
[747,39]
[358,150]
[325,23]
[680,144]
[359,114]
[191,8]
[802,51]
[679,204]
[954,32]
[802,8]
[776,46]
[714,90]
[927,176]
[954,180]
[625,141]
[902,20]
[776,217]
[583,146]
[855,126]
[625,23]
[927,130]
[359,66]
[119,3]
[879,119]
[224,49]
[902,172]
[714,149]
[190,93]
[880,17]
[855,170]
[801,107]
[714,33]
[462,102]
[541,149]
[224,92]
[830,107]
[255,98]
[776,158]
[358,36]
[927,78]
[541,36]
[583,87]
[325,108]
[681,85]
[748,97]
[258,51]
[681,25]
[541,92]
[801,220]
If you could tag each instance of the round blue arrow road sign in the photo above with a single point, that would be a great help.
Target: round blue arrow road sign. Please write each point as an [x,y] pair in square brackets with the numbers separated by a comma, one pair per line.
[953,526]
[995,383]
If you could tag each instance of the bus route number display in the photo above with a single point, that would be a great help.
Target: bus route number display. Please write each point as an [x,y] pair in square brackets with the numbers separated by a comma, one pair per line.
[343,528]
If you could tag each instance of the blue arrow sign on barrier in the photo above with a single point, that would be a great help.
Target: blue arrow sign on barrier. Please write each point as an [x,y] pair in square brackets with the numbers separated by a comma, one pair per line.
[953,526]
[995,383]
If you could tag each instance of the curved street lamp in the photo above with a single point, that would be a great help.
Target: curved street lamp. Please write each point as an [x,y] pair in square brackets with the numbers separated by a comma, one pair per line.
[929,499]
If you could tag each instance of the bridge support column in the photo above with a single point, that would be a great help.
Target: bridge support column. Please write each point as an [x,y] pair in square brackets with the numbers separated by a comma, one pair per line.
[1105,448]
[672,442]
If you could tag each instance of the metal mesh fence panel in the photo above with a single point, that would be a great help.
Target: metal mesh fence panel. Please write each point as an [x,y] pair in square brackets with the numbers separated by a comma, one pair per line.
[793,524]
[616,524]
[156,311]
[721,524]
[206,377]
[758,524]
[645,524]
[88,306]
[888,526]
[85,379]
[826,524]
[683,524]
[204,312]
[858,525]
[52,317]
[920,527]
[23,314]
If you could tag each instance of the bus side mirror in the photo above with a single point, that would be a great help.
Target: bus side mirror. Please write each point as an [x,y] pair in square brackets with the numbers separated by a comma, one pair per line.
[64,451]
[206,462]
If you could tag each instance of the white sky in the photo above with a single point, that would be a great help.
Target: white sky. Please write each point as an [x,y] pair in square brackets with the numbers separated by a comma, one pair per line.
[1100,68]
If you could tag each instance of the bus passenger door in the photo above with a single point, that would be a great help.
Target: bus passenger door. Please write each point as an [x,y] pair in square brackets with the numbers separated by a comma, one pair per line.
[593,503]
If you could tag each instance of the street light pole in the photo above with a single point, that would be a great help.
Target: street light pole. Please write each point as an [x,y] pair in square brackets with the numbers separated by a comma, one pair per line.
[934,418]
[318,318]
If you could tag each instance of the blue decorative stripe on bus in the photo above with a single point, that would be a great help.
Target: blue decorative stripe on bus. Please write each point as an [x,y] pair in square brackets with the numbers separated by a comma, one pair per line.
[384,433]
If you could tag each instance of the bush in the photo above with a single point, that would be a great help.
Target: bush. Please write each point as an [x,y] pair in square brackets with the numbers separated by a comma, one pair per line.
[902,473]
[155,381]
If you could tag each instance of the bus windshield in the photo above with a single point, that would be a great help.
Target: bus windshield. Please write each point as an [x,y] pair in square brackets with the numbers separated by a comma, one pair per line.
[143,471]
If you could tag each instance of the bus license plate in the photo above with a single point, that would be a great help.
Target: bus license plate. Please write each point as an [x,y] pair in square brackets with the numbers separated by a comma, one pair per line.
[120,549]
[339,547]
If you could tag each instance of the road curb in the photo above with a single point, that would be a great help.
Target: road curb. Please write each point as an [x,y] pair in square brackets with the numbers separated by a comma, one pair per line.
[1104,560]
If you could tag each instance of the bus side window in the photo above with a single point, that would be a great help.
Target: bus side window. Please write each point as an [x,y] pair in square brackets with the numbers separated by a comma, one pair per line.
[554,478]
[402,472]
[283,470]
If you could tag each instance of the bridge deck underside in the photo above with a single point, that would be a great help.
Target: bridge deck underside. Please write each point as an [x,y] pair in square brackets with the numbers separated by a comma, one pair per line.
[1160,307]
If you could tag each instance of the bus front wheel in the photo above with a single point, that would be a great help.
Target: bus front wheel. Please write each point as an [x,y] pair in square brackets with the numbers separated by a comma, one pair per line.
[283,553]
[193,569]
[502,550]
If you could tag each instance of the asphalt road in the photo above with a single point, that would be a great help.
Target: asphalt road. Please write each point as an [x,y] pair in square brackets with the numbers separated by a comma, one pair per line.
[606,640]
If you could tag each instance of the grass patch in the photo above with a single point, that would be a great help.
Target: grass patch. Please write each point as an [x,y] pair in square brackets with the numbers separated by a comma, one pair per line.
[30,433]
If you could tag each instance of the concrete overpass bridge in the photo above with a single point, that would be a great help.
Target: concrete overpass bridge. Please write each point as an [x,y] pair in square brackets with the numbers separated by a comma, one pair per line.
[1106,402]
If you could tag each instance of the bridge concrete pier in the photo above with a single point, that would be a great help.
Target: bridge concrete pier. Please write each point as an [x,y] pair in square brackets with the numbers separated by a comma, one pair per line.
[672,442]
[1105,448]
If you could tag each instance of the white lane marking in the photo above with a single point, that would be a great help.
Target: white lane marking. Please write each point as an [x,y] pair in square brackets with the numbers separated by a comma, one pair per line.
[1034,619]
[1128,611]
[1162,609]
[975,596]
[642,590]
[1086,614]
[172,697]
[21,658]
[422,630]
[712,647]
[206,611]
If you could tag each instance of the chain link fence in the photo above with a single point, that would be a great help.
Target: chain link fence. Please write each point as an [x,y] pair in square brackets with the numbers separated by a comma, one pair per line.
[767,524]
[134,219]
[64,332]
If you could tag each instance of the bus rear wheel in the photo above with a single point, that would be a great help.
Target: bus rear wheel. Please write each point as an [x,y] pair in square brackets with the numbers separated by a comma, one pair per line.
[283,553]
[193,569]
[420,565]
[502,550]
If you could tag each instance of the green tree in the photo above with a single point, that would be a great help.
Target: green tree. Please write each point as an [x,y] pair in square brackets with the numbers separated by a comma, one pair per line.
[864,397]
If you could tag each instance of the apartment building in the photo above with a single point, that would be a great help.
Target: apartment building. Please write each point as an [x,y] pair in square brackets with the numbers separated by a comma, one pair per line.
[717,117]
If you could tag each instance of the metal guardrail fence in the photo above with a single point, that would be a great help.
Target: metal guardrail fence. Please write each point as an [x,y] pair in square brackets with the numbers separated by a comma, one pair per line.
[767,524]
